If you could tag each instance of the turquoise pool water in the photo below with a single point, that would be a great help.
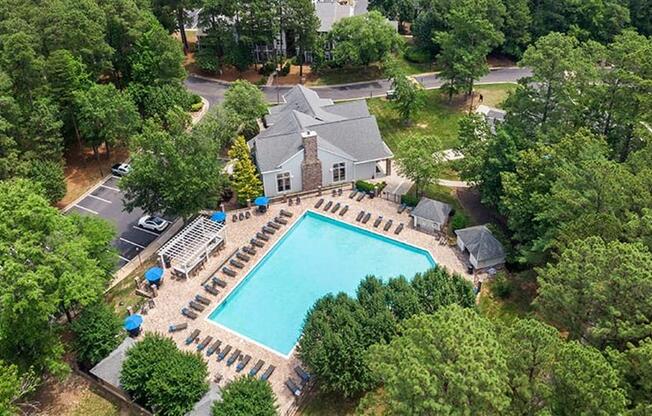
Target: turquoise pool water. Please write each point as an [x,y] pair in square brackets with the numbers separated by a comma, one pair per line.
[316,256]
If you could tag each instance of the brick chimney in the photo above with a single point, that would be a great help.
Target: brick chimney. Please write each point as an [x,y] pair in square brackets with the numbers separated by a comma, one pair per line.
[311,173]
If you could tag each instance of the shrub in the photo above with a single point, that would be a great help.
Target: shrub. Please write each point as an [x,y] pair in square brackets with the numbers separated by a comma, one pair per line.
[285,70]
[158,375]
[417,55]
[459,221]
[196,106]
[501,286]
[410,200]
[98,331]
[261,81]
[364,186]
[207,60]
[246,396]
[267,68]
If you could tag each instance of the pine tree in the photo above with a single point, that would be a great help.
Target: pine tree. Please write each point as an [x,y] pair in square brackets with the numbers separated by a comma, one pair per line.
[246,182]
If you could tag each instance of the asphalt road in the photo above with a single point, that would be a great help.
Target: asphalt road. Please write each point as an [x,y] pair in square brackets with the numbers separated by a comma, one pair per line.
[214,91]
[106,201]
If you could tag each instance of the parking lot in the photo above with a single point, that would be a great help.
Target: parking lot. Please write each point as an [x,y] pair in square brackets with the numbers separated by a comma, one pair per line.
[105,201]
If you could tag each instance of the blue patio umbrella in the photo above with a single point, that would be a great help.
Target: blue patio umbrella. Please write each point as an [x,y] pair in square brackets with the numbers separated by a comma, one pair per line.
[154,274]
[219,216]
[133,322]
[261,201]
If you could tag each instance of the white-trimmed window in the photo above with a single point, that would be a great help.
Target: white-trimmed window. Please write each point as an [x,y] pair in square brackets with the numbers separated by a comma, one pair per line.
[283,182]
[339,172]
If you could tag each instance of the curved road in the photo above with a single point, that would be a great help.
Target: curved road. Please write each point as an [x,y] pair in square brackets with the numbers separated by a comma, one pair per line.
[213,91]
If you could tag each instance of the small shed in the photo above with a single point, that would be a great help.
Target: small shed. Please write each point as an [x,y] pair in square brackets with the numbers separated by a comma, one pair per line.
[108,370]
[492,115]
[483,248]
[431,215]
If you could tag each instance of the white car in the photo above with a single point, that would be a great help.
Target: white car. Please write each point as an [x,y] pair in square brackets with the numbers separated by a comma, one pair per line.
[153,223]
[120,169]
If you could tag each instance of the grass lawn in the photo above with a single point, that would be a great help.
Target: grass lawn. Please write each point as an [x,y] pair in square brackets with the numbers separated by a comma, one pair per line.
[123,294]
[91,403]
[346,75]
[517,305]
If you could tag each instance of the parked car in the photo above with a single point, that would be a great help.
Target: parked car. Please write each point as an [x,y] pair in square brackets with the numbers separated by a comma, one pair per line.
[153,223]
[390,94]
[121,169]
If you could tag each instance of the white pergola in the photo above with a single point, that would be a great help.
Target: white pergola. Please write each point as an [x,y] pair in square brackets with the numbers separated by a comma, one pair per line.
[192,244]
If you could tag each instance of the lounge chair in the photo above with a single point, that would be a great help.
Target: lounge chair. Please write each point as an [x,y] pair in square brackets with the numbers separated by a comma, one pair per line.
[293,387]
[257,243]
[210,289]
[236,263]
[177,327]
[366,218]
[219,282]
[243,363]
[249,250]
[268,373]
[228,271]
[256,368]
[197,306]
[328,206]
[268,230]
[242,256]
[318,204]
[234,218]
[262,236]
[401,208]
[335,208]
[339,192]
[388,225]
[360,197]
[204,343]
[360,216]
[281,221]
[194,334]
[378,221]
[399,229]
[225,351]
[234,356]
[344,210]
[241,216]
[290,203]
[247,215]
[273,225]
[334,193]
[305,377]
[188,313]
[202,299]
[213,348]
[286,213]
[353,193]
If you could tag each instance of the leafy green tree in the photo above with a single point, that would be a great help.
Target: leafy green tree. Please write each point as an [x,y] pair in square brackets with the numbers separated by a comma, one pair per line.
[246,396]
[13,386]
[584,383]
[635,366]
[517,27]
[105,115]
[98,331]
[173,173]
[21,61]
[49,174]
[248,102]
[157,374]
[437,288]
[302,20]
[218,124]
[418,161]
[156,102]
[381,323]
[402,299]
[447,363]
[408,96]
[245,180]
[363,39]
[41,136]
[598,292]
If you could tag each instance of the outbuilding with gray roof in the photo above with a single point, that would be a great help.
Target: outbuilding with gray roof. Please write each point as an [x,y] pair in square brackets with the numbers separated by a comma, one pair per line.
[483,248]
[431,215]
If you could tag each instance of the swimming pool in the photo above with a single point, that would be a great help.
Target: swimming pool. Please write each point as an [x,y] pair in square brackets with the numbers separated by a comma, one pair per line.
[316,256]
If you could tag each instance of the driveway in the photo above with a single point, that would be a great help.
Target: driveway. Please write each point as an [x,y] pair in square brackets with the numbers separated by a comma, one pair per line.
[105,201]
[214,91]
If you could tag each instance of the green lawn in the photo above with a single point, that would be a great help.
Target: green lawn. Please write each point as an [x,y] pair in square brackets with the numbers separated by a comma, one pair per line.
[347,75]
[517,305]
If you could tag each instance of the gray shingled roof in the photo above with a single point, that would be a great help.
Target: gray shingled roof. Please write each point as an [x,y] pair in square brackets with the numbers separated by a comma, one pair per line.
[349,109]
[480,243]
[205,405]
[108,370]
[432,210]
[305,101]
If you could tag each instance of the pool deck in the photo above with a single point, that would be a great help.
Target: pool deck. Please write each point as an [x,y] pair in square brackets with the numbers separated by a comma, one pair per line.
[174,294]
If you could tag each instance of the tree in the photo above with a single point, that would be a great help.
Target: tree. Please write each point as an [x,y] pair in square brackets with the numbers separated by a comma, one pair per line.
[402,299]
[13,386]
[248,102]
[105,115]
[408,96]
[175,11]
[437,288]
[635,367]
[443,363]
[98,331]
[173,173]
[517,27]
[302,20]
[417,158]
[246,396]
[49,174]
[245,180]
[157,374]
[598,292]
[363,39]
[218,124]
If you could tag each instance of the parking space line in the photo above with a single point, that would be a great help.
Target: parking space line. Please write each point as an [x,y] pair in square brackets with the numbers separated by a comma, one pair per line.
[145,231]
[110,187]
[124,258]
[115,177]
[132,243]
[86,209]
[101,199]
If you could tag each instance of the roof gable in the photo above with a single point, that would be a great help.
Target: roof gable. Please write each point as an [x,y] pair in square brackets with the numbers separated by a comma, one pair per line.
[432,210]
[481,243]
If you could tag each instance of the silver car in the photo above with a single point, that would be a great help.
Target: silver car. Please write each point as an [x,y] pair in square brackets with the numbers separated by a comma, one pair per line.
[153,223]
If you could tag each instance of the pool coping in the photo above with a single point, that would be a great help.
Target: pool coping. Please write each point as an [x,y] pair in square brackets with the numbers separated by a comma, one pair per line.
[271,249]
